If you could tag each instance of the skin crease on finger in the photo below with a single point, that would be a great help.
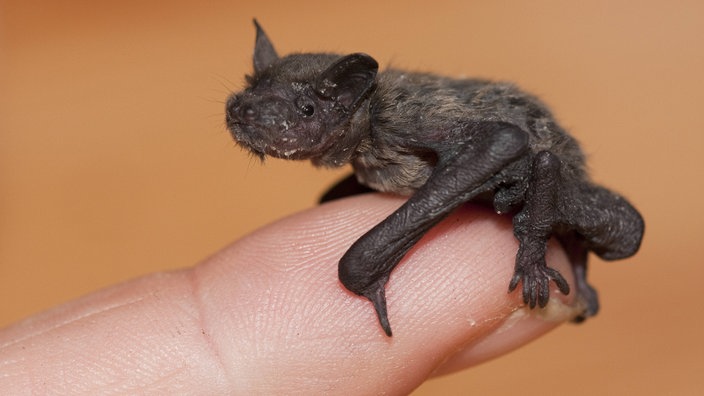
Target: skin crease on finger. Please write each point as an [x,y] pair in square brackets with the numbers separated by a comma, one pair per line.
[268,315]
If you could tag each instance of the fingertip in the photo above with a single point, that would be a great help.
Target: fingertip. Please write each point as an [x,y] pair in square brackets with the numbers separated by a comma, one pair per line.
[448,292]
[515,330]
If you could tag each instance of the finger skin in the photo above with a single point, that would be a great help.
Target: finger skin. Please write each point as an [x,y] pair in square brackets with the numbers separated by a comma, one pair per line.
[267,315]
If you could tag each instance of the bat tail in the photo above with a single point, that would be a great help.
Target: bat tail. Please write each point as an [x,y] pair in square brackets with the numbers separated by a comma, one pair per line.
[378,298]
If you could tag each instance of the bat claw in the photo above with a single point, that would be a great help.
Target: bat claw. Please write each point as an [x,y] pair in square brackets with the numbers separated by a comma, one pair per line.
[378,297]
[536,284]
[514,281]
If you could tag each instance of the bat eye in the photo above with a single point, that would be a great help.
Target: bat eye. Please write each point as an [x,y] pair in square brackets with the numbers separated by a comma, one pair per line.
[308,110]
[305,106]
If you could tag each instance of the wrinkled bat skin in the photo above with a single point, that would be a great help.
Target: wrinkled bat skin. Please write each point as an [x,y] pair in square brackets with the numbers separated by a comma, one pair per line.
[443,142]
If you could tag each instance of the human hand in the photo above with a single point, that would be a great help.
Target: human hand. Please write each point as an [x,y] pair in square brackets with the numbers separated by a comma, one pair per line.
[267,315]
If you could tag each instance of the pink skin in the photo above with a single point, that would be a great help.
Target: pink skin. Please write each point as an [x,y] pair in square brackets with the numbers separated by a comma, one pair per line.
[267,315]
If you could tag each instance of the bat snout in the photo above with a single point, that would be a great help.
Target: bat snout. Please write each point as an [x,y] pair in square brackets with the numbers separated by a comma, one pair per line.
[258,111]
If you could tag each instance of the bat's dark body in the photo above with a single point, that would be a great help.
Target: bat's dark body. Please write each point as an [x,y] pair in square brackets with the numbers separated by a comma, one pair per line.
[444,142]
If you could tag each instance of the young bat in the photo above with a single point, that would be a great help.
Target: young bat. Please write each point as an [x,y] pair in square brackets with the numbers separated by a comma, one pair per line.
[443,142]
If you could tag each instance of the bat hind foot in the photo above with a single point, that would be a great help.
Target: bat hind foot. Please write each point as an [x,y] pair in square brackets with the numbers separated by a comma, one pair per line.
[536,283]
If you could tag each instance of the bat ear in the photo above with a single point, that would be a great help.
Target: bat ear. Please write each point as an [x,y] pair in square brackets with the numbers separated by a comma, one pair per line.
[264,52]
[347,80]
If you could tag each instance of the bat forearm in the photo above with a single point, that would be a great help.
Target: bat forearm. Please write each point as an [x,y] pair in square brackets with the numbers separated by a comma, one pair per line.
[366,266]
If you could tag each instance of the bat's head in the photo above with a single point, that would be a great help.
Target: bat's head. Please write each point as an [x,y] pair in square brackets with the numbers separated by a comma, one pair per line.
[301,106]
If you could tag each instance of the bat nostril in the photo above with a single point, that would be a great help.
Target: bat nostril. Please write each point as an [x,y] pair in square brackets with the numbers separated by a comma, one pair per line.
[248,112]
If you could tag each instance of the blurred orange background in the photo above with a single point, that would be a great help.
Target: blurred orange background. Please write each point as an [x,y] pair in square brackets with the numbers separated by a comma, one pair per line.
[115,162]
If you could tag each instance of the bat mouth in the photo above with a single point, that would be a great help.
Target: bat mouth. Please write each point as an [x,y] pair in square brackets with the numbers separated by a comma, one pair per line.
[282,143]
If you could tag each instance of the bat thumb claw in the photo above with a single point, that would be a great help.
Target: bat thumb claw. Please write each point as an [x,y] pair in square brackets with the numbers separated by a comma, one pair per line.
[378,297]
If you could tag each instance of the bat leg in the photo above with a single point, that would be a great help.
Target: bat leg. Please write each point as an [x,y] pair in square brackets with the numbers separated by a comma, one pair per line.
[584,217]
[611,227]
[346,187]
[533,226]
[602,222]
[586,293]
[576,249]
